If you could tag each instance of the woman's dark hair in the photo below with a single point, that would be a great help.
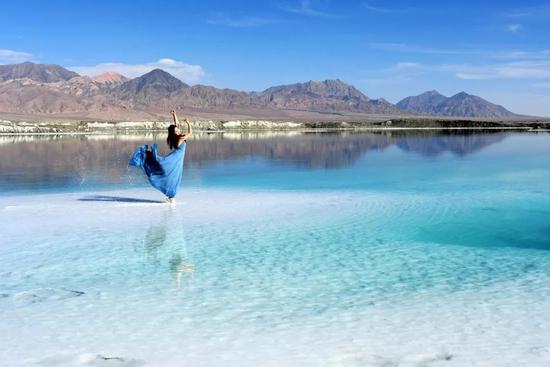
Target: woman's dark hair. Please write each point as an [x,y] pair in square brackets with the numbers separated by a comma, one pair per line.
[173,139]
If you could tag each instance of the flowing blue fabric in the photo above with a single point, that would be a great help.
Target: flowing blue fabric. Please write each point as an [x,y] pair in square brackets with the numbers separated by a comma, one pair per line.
[164,173]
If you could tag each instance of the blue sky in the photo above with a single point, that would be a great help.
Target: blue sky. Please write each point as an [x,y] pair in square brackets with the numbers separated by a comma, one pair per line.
[499,50]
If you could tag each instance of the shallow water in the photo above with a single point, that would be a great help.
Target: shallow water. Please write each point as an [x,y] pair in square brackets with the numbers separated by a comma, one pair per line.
[313,250]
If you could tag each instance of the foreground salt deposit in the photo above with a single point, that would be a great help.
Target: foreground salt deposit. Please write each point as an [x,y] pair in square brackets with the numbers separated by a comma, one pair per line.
[271,278]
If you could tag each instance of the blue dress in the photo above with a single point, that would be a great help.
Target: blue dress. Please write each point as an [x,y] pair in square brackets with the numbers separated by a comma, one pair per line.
[164,173]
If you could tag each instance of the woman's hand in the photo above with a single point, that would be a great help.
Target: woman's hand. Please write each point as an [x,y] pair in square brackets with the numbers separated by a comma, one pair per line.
[189,130]
[175,117]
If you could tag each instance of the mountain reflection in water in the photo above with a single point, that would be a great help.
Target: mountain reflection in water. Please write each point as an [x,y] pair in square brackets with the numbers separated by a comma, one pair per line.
[54,161]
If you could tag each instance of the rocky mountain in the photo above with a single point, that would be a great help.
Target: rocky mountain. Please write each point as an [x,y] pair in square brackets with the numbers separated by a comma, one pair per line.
[25,96]
[110,78]
[424,103]
[206,98]
[329,96]
[49,90]
[149,88]
[464,104]
[325,96]
[459,105]
[155,81]
[37,72]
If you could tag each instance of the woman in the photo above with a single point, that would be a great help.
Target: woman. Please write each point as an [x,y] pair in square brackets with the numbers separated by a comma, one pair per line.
[165,173]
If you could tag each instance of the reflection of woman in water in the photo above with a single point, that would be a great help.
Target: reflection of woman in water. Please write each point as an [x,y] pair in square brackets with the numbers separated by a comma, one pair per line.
[179,266]
[166,241]
[165,173]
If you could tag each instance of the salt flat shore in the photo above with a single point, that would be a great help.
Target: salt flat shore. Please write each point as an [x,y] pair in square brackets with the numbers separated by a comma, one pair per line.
[98,295]
[91,127]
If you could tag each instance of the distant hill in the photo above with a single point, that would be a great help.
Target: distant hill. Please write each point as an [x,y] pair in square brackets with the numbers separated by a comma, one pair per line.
[149,88]
[459,105]
[424,103]
[156,81]
[38,72]
[110,78]
[205,99]
[34,89]
[328,96]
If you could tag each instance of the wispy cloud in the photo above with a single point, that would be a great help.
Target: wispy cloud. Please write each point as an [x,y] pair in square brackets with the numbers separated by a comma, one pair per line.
[535,12]
[514,28]
[384,9]
[306,8]
[516,14]
[387,80]
[495,54]
[400,73]
[186,72]
[377,9]
[408,48]
[545,85]
[523,70]
[11,56]
[533,75]
[239,21]
[544,54]
[407,66]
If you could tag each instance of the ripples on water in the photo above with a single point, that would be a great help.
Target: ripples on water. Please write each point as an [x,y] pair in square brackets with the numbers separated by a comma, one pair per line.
[370,249]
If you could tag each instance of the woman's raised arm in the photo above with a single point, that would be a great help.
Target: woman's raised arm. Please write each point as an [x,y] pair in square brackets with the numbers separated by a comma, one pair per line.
[175,117]
[189,130]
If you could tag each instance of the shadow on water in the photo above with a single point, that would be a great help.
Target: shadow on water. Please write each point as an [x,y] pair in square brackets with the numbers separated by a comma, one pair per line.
[118,199]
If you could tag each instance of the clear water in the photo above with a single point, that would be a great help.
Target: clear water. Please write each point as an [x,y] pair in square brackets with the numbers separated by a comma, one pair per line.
[401,249]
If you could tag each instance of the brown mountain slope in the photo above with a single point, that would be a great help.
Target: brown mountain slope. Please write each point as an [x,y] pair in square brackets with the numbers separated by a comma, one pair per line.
[110,78]
[326,96]
[38,72]
[461,104]
[42,90]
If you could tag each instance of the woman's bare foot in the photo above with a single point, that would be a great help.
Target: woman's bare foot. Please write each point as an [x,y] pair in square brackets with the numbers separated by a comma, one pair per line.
[171,201]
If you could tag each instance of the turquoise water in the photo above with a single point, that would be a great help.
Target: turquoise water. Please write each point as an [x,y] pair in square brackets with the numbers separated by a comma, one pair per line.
[313,250]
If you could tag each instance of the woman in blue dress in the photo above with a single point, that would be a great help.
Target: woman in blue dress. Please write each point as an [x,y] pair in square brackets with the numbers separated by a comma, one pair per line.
[165,173]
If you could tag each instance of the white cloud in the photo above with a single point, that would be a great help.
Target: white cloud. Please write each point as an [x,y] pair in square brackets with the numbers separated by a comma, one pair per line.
[533,12]
[528,103]
[512,70]
[241,21]
[387,81]
[407,66]
[517,14]
[186,72]
[11,56]
[518,70]
[377,9]
[514,28]
[533,77]
[522,54]
[386,10]
[495,54]
[306,8]
[544,85]
[409,48]
[398,74]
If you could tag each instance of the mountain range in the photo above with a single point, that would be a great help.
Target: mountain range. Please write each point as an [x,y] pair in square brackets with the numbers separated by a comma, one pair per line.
[461,104]
[42,90]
